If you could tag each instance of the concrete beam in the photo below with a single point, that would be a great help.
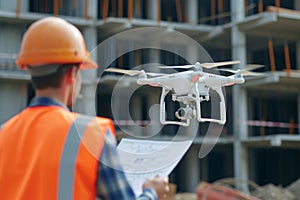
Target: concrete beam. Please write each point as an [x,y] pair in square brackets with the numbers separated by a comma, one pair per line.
[6,74]
[27,18]
[298,54]
[298,104]
[265,79]
[258,20]
[280,140]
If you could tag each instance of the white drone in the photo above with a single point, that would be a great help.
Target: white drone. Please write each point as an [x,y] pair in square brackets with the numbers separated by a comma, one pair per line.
[191,87]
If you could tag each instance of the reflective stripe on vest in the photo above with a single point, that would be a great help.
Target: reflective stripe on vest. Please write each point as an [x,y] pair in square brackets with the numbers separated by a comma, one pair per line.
[69,155]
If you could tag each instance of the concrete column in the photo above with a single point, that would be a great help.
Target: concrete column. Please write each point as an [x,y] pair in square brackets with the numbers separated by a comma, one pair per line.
[238,10]
[240,155]
[298,67]
[24,6]
[191,169]
[203,169]
[298,54]
[13,98]
[87,104]
[296,5]
[152,9]
[250,113]
[192,11]
[240,130]
[93,9]
[252,165]
[298,102]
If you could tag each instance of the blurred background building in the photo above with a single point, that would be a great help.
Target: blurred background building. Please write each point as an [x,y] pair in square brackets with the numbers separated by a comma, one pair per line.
[260,140]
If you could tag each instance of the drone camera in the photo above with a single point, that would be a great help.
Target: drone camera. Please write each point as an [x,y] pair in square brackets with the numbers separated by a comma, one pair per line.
[184,113]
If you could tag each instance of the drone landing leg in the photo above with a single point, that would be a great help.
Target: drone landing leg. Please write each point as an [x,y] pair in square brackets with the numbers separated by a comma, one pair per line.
[222,119]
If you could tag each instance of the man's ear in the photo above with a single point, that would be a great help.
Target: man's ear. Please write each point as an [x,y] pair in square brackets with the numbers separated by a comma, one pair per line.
[71,75]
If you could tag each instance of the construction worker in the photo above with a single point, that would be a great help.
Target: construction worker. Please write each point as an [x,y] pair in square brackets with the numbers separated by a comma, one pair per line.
[49,152]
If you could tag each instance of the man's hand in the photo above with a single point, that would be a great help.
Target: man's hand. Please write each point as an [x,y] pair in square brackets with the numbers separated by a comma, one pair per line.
[160,185]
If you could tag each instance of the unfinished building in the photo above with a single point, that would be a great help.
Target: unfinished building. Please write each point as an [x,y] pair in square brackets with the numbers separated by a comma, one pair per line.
[260,140]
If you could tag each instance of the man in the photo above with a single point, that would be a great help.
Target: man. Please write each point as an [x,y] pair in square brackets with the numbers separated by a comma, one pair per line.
[48,152]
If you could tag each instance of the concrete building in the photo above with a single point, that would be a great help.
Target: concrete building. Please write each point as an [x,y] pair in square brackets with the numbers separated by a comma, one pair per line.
[260,140]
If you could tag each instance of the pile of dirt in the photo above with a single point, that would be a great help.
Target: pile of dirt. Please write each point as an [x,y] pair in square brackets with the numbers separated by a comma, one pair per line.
[295,189]
[272,192]
[185,196]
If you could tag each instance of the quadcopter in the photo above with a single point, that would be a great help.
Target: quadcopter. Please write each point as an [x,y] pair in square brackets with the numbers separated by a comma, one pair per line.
[191,87]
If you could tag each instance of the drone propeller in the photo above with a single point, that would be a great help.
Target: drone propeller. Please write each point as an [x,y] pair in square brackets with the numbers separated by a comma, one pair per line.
[242,72]
[217,64]
[251,67]
[204,65]
[177,67]
[246,71]
[124,71]
[132,72]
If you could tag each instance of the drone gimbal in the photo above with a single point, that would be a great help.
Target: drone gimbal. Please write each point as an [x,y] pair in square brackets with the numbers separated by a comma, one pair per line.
[192,105]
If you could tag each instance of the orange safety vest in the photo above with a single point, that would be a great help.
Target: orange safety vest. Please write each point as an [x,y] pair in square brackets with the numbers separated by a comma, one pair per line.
[47,152]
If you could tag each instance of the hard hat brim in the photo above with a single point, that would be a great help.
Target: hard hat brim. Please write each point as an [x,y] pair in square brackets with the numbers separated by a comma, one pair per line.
[88,64]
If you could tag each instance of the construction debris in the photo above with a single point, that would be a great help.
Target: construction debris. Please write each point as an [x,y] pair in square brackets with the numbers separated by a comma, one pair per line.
[207,191]
[186,196]
[272,192]
[219,192]
[294,188]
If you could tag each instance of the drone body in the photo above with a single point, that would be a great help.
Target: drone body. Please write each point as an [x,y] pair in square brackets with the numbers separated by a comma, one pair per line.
[190,88]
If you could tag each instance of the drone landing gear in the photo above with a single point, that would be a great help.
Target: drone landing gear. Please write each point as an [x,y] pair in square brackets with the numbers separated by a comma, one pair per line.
[192,107]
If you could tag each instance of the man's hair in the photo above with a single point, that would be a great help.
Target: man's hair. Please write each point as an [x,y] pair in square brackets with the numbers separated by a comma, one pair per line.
[53,80]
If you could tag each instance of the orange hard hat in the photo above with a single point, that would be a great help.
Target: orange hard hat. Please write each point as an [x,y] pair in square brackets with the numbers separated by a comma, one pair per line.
[53,40]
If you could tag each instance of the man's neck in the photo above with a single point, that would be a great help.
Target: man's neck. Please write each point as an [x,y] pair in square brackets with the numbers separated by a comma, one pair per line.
[57,94]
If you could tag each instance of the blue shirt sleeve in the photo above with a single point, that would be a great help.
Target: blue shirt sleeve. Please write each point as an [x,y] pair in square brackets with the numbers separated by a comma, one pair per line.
[111,181]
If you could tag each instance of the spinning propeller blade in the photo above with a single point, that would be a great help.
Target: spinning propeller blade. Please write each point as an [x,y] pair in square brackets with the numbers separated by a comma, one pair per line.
[250,67]
[178,67]
[249,73]
[124,71]
[205,65]
[217,64]
[246,71]
[132,72]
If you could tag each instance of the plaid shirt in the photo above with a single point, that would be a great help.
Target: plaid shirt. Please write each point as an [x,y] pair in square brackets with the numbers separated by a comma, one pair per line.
[111,181]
